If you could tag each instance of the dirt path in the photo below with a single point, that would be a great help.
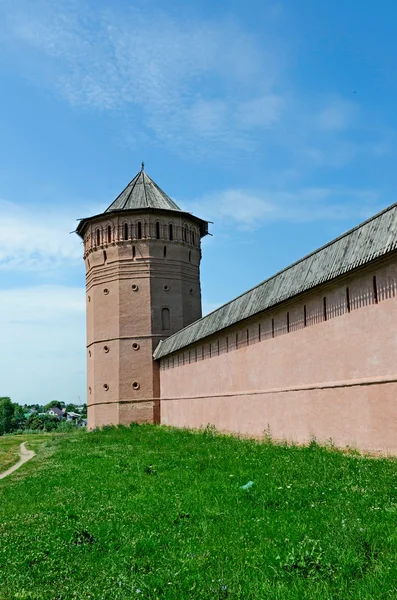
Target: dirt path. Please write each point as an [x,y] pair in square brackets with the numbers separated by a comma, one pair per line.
[25,456]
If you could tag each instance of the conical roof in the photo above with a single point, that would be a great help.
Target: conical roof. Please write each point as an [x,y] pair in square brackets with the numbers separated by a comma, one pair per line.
[142,192]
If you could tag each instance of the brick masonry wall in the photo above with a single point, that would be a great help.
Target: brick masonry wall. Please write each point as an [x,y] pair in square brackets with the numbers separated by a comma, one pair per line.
[323,365]
[134,272]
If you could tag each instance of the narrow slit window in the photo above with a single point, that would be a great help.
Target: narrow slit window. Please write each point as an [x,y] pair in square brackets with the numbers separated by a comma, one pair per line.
[272,328]
[139,230]
[248,337]
[125,231]
[105,256]
[375,289]
[304,316]
[287,322]
[109,234]
[325,308]
[165,319]
[165,252]
[157,230]
[347,300]
[236,340]
[133,251]
[259,332]
[170,232]
[190,256]
[227,344]
[98,237]
[193,238]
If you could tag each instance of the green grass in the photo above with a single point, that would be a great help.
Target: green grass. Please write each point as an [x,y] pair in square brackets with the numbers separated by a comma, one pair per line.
[151,512]
[9,452]
[9,447]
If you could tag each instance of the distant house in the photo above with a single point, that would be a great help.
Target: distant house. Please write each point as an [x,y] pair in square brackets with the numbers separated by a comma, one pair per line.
[72,416]
[56,412]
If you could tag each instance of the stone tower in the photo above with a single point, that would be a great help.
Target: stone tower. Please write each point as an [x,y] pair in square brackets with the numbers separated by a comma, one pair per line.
[142,258]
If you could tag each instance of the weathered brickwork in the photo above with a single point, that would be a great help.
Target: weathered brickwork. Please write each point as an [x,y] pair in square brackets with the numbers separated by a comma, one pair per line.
[308,367]
[142,285]
[139,290]
[312,351]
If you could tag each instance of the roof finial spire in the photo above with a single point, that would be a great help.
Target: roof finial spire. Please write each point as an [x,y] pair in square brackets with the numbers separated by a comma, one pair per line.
[142,166]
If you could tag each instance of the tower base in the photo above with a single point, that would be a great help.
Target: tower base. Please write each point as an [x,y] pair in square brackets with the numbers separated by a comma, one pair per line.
[123,412]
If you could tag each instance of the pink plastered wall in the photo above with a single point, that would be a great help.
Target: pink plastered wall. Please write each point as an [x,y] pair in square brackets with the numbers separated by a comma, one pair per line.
[309,368]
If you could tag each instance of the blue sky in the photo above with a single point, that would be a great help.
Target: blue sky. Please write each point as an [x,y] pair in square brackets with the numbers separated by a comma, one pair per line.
[276,120]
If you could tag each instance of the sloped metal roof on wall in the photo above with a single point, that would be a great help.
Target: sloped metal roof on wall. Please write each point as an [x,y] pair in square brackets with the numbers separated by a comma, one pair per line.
[368,241]
[142,192]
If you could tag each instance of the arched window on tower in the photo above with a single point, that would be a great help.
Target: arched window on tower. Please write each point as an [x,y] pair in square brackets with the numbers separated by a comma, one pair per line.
[98,237]
[157,230]
[125,234]
[185,234]
[193,238]
[139,230]
[170,232]
[109,234]
[165,319]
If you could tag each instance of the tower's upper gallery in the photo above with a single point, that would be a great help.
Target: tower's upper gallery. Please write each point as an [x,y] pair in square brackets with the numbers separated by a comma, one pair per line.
[142,194]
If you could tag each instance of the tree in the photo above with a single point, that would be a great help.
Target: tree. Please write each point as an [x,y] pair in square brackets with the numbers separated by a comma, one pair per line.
[71,408]
[18,419]
[34,422]
[37,407]
[6,415]
[54,403]
[49,423]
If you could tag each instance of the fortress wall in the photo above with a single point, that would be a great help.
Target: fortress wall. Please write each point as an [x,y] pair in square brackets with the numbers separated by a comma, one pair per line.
[307,368]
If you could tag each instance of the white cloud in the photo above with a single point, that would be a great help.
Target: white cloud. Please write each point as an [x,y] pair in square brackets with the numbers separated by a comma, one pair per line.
[193,79]
[336,115]
[250,208]
[206,88]
[42,355]
[36,240]
[261,112]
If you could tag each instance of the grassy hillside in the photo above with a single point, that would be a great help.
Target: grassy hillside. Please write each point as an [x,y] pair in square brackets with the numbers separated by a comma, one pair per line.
[150,512]
[9,447]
